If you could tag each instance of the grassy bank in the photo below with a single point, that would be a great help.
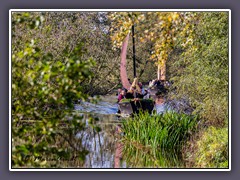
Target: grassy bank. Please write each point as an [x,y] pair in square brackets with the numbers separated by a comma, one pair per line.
[156,134]
[208,149]
[173,140]
[169,130]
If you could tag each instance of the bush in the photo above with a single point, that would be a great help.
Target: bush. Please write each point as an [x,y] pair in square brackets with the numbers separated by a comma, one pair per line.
[200,70]
[212,149]
[43,91]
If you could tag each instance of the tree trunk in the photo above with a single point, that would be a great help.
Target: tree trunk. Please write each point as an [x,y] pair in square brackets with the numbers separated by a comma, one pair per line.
[161,72]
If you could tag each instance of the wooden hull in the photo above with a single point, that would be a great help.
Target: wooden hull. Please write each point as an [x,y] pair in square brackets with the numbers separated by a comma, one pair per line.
[128,108]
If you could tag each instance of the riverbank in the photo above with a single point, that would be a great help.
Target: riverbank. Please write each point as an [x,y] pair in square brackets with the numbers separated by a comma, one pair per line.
[174,140]
[163,134]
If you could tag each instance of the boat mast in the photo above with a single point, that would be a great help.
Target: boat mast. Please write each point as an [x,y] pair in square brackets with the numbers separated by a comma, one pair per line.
[134,57]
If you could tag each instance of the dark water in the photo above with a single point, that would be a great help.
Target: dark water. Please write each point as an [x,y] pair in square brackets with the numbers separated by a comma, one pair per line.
[105,148]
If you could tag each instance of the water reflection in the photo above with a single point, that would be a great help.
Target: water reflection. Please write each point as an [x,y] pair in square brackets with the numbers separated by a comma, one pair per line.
[105,147]
[143,157]
[100,108]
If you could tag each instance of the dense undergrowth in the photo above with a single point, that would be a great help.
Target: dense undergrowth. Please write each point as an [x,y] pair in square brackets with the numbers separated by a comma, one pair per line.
[158,133]
[212,148]
[174,140]
[56,61]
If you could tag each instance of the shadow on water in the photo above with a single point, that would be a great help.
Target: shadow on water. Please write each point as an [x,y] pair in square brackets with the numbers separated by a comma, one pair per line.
[105,148]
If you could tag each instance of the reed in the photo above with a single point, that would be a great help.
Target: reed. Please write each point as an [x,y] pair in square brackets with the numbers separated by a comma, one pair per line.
[158,132]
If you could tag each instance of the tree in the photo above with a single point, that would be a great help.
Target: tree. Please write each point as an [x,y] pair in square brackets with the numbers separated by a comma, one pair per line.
[61,32]
[43,90]
[199,69]
[160,28]
[194,47]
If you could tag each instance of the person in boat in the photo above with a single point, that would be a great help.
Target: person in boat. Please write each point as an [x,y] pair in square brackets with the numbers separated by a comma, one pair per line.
[153,83]
[160,85]
[135,87]
[160,98]
[122,95]
[135,91]
[131,93]
[144,92]
[118,92]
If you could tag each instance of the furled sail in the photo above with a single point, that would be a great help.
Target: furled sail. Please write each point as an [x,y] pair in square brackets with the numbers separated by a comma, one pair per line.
[123,70]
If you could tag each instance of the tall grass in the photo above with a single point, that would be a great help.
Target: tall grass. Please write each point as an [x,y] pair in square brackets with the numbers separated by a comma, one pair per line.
[168,130]
[154,134]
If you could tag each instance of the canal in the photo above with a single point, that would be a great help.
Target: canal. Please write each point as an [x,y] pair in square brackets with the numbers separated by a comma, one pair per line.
[105,148]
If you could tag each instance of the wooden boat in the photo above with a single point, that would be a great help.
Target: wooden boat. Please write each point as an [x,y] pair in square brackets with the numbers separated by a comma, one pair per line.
[128,107]
[132,106]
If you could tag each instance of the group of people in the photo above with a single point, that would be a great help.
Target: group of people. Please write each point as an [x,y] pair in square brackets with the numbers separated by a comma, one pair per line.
[136,91]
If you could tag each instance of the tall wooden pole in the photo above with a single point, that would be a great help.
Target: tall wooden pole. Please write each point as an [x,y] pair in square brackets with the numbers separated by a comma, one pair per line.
[159,72]
[134,57]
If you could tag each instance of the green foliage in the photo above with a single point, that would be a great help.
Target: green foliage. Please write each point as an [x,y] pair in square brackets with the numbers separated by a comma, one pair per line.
[52,66]
[46,83]
[158,31]
[43,90]
[138,156]
[200,69]
[165,132]
[61,32]
[212,148]
[141,100]
[157,140]
[125,100]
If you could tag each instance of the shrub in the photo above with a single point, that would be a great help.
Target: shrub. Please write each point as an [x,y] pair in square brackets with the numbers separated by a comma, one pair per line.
[212,149]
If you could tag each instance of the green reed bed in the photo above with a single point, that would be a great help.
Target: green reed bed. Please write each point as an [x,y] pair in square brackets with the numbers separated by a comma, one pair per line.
[136,156]
[168,131]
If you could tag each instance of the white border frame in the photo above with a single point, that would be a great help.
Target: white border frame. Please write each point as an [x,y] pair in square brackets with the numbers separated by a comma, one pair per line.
[117,10]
